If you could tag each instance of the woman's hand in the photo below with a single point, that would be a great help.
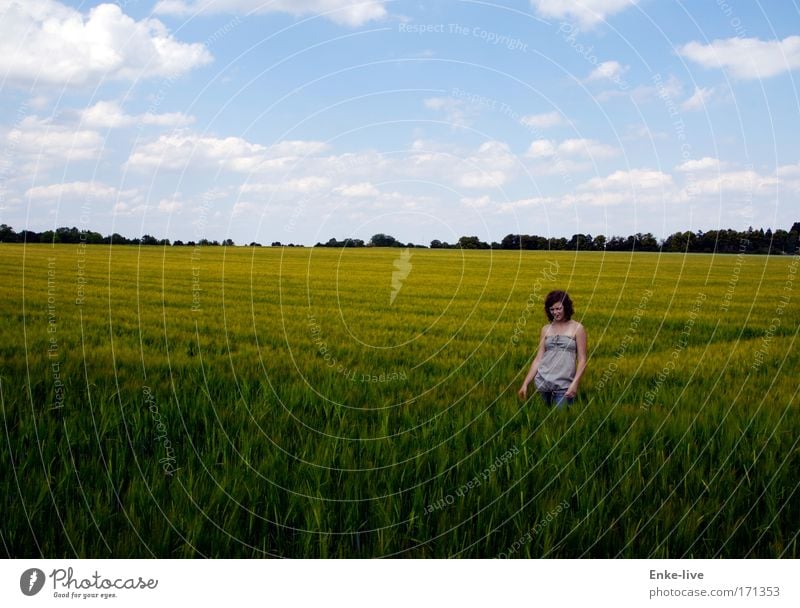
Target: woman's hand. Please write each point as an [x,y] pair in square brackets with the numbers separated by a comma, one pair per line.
[571,391]
[523,392]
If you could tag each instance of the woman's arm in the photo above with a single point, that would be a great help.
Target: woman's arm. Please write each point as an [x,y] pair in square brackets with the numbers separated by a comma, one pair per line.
[580,342]
[523,391]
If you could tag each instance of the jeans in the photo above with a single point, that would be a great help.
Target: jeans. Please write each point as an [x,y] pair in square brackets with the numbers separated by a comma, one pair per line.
[557,398]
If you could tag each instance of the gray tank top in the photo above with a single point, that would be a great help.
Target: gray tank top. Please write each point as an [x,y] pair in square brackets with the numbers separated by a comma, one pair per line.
[557,367]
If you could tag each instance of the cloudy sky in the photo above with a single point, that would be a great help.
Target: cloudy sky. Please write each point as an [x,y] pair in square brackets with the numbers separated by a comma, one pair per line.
[302,120]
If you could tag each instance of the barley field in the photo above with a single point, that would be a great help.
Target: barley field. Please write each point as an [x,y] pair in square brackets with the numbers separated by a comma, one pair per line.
[295,402]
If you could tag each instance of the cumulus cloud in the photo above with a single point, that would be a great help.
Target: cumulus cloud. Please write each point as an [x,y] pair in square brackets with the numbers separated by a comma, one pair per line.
[360,190]
[456,111]
[42,143]
[587,13]
[108,114]
[746,58]
[43,41]
[707,163]
[74,191]
[489,167]
[178,151]
[608,70]
[639,186]
[744,182]
[343,12]
[545,120]
[698,100]
[571,148]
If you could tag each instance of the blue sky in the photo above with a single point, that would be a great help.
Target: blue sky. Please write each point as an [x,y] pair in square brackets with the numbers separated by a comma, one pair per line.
[298,121]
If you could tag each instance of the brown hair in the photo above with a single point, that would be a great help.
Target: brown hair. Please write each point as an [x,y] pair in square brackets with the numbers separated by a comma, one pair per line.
[554,297]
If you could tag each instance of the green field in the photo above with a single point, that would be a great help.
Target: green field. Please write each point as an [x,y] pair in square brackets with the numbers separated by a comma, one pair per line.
[257,402]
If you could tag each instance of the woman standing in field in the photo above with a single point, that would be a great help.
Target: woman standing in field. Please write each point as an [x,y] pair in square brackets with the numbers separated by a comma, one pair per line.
[561,358]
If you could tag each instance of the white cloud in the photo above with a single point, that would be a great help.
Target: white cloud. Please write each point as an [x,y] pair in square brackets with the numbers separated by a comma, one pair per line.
[45,41]
[169,205]
[543,121]
[698,100]
[344,12]
[42,144]
[667,92]
[587,148]
[788,170]
[74,191]
[789,176]
[702,97]
[108,114]
[635,179]
[746,58]
[456,111]
[308,184]
[706,163]
[746,182]
[536,201]
[178,151]
[571,148]
[360,190]
[638,186]
[542,148]
[305,185]
[608,70]
[643,131]
[587,12]
[297,147]
[489,167]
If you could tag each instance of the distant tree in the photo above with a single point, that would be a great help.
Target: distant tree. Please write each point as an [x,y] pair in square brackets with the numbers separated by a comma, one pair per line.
[472,242]
[615,243]
[275,244]
[510,241]
[384,240]
[93,238]
[580,242]
[228,243]
[7,234]
[677,242]
[116,239]
[178,243]
[599,243]
[792,240]
[149,240]
[436,244]
[68,235]
[255,244]
[29,236]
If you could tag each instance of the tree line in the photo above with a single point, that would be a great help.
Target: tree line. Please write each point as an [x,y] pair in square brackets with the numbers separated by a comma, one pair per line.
[719,241]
